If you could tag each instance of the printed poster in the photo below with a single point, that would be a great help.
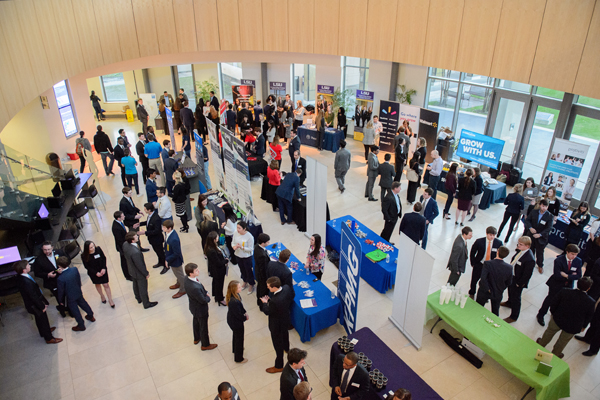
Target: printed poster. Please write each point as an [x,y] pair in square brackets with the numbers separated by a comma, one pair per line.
[237,174]
[564,168]
[364,108]
[389,116]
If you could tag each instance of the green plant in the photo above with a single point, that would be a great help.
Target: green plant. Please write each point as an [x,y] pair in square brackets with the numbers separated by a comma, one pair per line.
[342,98]
[405,96]
[204,88]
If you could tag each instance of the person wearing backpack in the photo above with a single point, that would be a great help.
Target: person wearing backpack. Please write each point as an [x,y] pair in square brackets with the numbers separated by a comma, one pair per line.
[82,144]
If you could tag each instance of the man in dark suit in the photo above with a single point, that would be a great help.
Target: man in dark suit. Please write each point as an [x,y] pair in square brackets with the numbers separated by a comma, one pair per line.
[288,190]
[293,373]
[119,153]
[45,266]
[483,249]
[142,115]
[139,149]
[391,208]
[199,299]
[132,213]
[457,263]
[413,224]
[69,285]
[154,234]
[257,111]
[137,269]
[230,118]
[592,336]
[278,309]
[187,118]
[171,166]
[299,163]
[401,147]
[372,172]
[572,311]
[386,176]
[523,263]
[261,261]
[214,101]
[244,112]
[496,276]
[280,269]
[294,147]
[567,269]
[151,186]
[429,210]
[119,231]
[35,302]
[348,379]
[538,226]
[174,258]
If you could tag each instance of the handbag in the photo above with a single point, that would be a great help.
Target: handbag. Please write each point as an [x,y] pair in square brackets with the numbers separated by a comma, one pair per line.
[412,176]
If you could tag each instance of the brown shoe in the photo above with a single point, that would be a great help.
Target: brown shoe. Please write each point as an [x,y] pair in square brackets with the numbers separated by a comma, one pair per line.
[273,370]
[178,295]
[509,320]
[175,286]
[505,304]
[54,340]
[472,297]
[91,319]
[196,341]
[52,329]
[78,329]
[209,347]
[291,223]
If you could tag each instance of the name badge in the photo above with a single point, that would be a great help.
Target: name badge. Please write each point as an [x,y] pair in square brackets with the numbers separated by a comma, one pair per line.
[356,385]
[493,249]
[518,262]
[552,201]
[573,268]
[97,256]
[530,192]
[542,222]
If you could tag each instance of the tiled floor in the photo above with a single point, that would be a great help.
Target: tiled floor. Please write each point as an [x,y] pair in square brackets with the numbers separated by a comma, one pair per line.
[132,353]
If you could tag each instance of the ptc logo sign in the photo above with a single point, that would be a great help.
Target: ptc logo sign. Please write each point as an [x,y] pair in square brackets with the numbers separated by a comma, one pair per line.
[349,277]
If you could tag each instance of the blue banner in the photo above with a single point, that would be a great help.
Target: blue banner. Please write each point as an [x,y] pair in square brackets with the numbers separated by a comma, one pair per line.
[485,150]
[365,95]
[349,277]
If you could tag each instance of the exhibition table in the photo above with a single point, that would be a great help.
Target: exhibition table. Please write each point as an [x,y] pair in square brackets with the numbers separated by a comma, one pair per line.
[257,167]
[508,346]
[331,139]
[381,275]
[385,360]
[309,321]
[558,234]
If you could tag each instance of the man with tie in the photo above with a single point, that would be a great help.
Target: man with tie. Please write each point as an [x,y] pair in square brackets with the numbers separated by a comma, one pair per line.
[429,210]
[288,190]
[137,270]
[293,373]
[139,149]
[523,263]
[213,100]
[278,309]
[484,249]
[457,263]
[132,213]
[199,299]
[538,226]
[386,175]
[142,115]
[257,112]
[174,258]
[151,186]
[119,231]
[348,379]
[372,172]
[261,261]
[392,210]
[496,275]
[413,224]
[45,267]
[69,285]
[35,302]
[299,163]
[154,234]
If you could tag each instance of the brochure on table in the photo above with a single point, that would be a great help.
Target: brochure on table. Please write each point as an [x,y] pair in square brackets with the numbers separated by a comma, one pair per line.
[237,176]
[563,168]
[215,155]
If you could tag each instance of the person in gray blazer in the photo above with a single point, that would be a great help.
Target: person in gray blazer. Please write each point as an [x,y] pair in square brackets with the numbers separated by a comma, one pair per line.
[459,256]
[341,165]
[372,172]
[199,299]
[387,174]
[137,269]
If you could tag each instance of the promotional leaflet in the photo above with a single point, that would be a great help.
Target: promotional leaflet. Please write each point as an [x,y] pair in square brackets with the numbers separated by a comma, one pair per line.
[564,168]
[389,116]
[215,155]
[482,149]
[363,109]
[237,173]
[349,277]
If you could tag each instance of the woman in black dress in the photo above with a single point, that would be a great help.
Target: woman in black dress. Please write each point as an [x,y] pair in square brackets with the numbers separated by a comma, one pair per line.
[341,121]
[466,191]
[413,184]
[94,262]
[200,123]
[217,266]
[179,198]
[579,219]
[450,185]
[236,316]
[207,226]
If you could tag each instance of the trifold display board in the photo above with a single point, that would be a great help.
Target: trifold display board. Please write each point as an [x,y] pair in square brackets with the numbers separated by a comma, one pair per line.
[316,198]
[215,154]
[413,275]
[237,176]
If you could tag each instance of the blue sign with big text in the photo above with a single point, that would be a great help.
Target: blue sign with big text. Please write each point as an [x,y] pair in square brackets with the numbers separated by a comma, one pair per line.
[349,277]
[485,150]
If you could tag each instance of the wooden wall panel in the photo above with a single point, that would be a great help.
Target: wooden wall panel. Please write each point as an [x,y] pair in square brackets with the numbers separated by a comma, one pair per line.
[381,29]
[564,30]
[11,92]
[186,25]
[165,26]
[145,26]
[107,32]
[4,115]
[478,36]
[229,28]
[587,82]
[301,20]
[125,24]
[353,28]
[443,33]
[88,33]
[275,25]
[327,27]
[51,40]
[64,17]
[251,22]
[207,25]
[411,31]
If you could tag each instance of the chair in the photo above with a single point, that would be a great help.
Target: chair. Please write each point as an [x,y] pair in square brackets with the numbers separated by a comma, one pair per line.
[69,234]
[91,193]
[78,211]
[72,249]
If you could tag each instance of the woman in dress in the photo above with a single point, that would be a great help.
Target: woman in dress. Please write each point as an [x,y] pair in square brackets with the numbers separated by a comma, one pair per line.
[188,191]
[341,121]
[578,220]
[94,262]
[236,316]
[217,266]
[207,226]
[466,190]
[177,106]
[97,107]
[298,115]
[243,245]
[478,193]
[368,138]
[179,198]
[514,205]
[450,185]
[329,117]
[229,226]
[315,259]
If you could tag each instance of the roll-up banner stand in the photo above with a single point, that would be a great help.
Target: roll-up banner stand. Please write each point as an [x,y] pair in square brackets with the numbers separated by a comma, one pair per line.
[245,94]
[362,111]
[428,127]
[563,169]
[325,96]
[389,116]
[411,114]
[216,155]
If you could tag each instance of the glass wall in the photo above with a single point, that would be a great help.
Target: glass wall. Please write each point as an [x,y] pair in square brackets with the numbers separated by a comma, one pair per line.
[304,84]
[113,86]
[508,121]
[586,131]
[230,74]
[441,97]
[355,74]
[185,76]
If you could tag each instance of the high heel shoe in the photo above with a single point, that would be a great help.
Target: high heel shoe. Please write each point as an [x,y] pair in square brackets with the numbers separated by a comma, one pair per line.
[221,303]
[112,306]
[103,301]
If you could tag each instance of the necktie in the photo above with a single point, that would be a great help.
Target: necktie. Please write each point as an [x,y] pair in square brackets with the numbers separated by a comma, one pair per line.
[123,225]
[131,201]
[569,263]
[301,376]
[344,381]
[488,252]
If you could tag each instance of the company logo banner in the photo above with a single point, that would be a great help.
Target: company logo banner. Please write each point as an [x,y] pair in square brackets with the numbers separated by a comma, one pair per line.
[389,116]
[324,89]
[277,86]
[482,149]
[365,95]
[349,277]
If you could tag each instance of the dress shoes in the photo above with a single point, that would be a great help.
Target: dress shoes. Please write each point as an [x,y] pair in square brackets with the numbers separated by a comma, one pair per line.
[164,270]
[505,304]
[144,250]
[52,329]
[175,286]
[157,266]
[209,347]
[585,353]
[244,361]
[178,295]
[291,223]
[540,320]
[78,328]
[91,319]
[151,304]
[54,340]
[509,320]
[196,341]
[561,355]
[372,199]
[538,340]
[581,338]
[273,370]
[139,302]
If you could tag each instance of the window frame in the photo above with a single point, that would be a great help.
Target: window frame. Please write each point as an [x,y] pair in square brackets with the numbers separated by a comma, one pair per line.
[106,100]
[69,105]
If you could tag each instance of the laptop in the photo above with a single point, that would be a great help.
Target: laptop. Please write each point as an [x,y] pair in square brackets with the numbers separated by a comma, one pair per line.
[9,255]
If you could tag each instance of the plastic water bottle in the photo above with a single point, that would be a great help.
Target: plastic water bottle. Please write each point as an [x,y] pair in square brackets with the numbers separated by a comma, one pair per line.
[387,258]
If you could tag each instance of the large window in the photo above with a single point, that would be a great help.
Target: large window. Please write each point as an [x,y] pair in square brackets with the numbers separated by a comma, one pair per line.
[67,116]
[475,105]
[441,97]
[230,74]
[304,85]
[113,86]
[185,75]
[586,131]
[355,74]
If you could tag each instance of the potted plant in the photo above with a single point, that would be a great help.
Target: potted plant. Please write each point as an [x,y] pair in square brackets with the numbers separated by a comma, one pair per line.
[204,88]
[404,95]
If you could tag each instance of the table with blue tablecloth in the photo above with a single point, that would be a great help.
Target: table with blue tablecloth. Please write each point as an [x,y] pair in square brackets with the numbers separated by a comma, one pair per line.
[331,138]
[309,321]
[558,234]
[381,275]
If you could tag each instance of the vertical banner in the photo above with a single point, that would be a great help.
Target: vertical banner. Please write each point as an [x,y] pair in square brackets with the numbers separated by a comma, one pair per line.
[237,174]
[170,125]
[215,150]
[349,277]
[482,149]
[364,108]
[389,117]
[200,159]
[428,125]
[564,168]
[412,115]
[325,95]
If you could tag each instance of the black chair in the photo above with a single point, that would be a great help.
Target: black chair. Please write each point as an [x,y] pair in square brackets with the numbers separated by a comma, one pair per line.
[91,193]
[72,249]
[78,211]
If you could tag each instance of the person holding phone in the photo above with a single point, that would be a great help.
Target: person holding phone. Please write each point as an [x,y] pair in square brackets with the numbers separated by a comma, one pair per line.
[315,259]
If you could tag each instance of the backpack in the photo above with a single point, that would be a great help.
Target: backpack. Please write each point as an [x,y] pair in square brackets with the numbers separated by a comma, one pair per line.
[79,148]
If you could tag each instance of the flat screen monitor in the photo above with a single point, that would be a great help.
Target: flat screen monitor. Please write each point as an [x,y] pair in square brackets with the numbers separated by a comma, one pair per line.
[9,255]
[43,212]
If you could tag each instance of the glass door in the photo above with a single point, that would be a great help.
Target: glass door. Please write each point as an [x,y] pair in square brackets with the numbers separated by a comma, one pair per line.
[185,77]
[508,126]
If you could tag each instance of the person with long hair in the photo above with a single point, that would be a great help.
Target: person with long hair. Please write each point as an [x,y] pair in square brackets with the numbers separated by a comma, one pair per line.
[289,123]
[230,227]
[274,180]
[415,183]
[203,204]
[188,191]
[179,198]
[422,150]
[407,128]
[271,130]
[200,121]
[466,190]
[315,259]
[94,262]
[478,193]
[298,115]
[578,221]
[207,226]
[514,205]
[217,266]
[243,245]
[530,193]
[342,124]
[97,107]
[320,126]
[236,316]
[368,138]
[276,147]
[553,202]
[450,185]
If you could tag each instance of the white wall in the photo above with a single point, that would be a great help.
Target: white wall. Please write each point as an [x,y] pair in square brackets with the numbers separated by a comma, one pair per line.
[379,82]
[252,70]
[130,87]
[160,80]
[279,72]
[414,77]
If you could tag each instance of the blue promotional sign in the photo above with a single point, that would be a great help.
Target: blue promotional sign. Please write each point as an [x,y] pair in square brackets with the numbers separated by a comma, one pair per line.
[324,89]
[485,150]
[365,95]
[249,82]
[349,277]
[170,125]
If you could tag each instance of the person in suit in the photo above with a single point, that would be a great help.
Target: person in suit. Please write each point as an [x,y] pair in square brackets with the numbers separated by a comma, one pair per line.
[151,186]
[572,311]
[401,146]
[230,118]
[299,163]
[258,110]
[139,149]
[391,208]
[496,276]
[164,153]
[174,257]
[348,379]
[429,210]
[45,266]
[187,118]
[199,300]
[171,166]
[169,102]
[261,261]
[288,190]
[523,263]
[69,286]
[154,234]
[592,336]
[483,249]
[35,302]
[119,153]
[142,115]
[281,270]
[413,224]
[538,226]
[458,256]
[341,165]
[260,144]
[277,308]
[137,269]
[567,269]
[303,391]
[514,205]
[227,391]
[132,213]
[213,100]
[236,316]
[386,175]
[372,172]
[217,266]
[119,231]
[293,373]
[294,147]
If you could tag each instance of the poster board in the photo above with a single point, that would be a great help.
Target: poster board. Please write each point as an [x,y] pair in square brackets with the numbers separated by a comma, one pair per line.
[200,159]
[363,108]
[245,94]
[170,125]
[237,174]
[349,277]
[389,116]
[563,168]
[277,88]
[215,155]
[151,106]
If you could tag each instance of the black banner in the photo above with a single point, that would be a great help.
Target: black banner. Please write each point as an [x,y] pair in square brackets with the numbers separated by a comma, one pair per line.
[389,115]
[428,128]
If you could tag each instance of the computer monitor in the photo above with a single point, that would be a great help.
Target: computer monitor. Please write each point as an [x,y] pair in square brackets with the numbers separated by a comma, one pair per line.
[43,211]
[9,255]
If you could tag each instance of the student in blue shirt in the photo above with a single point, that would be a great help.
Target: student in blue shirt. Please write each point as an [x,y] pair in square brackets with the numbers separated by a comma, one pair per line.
[151,186]
[152,150]
[131,173]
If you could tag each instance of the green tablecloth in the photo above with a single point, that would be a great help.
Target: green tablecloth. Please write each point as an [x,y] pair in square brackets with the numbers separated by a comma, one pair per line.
[508,346]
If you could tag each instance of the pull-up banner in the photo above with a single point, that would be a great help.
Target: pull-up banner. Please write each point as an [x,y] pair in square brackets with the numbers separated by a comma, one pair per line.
[482,149]
[389,116]
[349,277]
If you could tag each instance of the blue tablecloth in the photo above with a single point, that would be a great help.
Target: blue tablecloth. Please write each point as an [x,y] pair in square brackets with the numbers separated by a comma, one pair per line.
[381,275]
[331,139]
[558,234]
[309,321]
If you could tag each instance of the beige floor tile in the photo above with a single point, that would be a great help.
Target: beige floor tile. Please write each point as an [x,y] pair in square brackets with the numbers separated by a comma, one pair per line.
[433,352]
[451,376]
[167,342]
[98,333]
[252,376]
[52,387]
[481,389]
[143,389]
